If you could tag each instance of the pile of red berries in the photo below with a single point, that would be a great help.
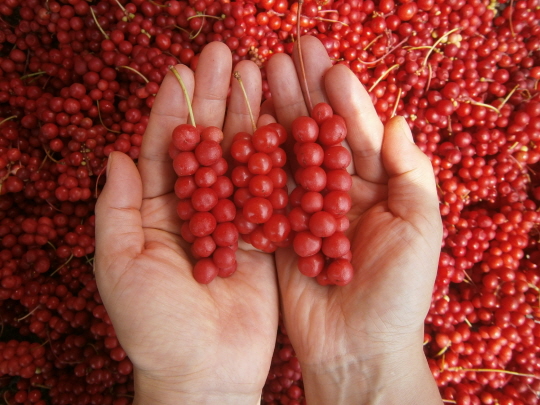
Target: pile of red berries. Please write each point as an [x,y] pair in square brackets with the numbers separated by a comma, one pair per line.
[78,79]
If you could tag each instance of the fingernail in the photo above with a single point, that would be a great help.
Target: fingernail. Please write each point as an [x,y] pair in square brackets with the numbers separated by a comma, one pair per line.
[405,129]
[109,160]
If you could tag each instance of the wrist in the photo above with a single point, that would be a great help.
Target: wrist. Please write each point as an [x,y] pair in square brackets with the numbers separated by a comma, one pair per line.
[157,391]
[399,378]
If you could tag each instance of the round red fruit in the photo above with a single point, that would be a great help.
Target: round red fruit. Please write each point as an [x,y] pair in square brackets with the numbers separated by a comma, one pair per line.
[333,131]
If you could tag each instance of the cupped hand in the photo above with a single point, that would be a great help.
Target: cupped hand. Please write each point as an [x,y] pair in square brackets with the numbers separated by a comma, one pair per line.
[395,232]
[188,342]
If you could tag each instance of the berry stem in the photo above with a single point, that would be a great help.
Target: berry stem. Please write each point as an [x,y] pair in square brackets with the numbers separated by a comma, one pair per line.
[191,36]
[48,153]
[97,23]
[385,55]
[66,262]
[28,314]
[135,71]
[129,16]
[41,72]
[203,16]
[237,76]
[396,103]
[437,43]
[101,120]
[494,370]
[372,42]
[508,96]
[8,119]
[330,21]
[186,95]
[301,58]
[383,76]
[510,20]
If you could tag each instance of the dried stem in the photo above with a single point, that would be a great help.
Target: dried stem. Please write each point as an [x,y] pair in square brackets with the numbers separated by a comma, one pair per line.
[396,103]
[237,76]
[135,71]
[437,43]
[301,58]
[186,95]
[97,23]
[383,76]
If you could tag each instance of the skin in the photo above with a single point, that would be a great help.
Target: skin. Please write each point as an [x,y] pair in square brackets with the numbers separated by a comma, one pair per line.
[192,343]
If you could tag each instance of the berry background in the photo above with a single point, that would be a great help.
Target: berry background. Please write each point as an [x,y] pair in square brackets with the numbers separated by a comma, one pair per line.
[78,79]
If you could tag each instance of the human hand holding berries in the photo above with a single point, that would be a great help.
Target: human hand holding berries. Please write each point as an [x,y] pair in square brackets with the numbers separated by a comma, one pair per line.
[362,343]
[189,343]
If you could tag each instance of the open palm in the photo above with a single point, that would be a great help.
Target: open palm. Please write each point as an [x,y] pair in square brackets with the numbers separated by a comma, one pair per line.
[182,337]
[395,227]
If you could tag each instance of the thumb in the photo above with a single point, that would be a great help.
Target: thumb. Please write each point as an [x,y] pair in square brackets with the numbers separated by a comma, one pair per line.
[119,234]
[412,191]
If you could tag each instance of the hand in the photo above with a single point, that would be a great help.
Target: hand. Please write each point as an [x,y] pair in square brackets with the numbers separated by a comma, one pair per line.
[363,342]
[189,343]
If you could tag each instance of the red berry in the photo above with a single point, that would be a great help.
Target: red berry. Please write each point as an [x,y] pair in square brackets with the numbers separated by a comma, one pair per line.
[306,244]
[185,137]
[340,272]
[333,131]
[205,271]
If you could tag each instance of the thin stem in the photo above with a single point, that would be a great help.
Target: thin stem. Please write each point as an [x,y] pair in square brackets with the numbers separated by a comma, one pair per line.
[28,314]
[101,120]
[510,21]
[437,43]
[48,153]
[385,55]
[396,103]
[97,23]
[191,36]
[186,95]
[204,15]
[41,72]
[8,119]
[430,74]
[485,105]
[128,15]
[301,58]
[494,370]
[135,71]
[508,96]
[237,76]
[383,76]
[372,42]
[65,263]
[330,21]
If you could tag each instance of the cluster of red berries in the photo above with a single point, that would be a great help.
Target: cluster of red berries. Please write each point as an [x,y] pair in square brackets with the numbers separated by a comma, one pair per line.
[261,196]
[321,200]
[205,206]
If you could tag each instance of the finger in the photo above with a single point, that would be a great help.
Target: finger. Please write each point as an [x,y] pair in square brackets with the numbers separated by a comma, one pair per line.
[286,92]
[365,131]
[316,63]
[212,79]
[119,233]
[267,107]
[265,119]
[412,191]
[169,110]
[238,118]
